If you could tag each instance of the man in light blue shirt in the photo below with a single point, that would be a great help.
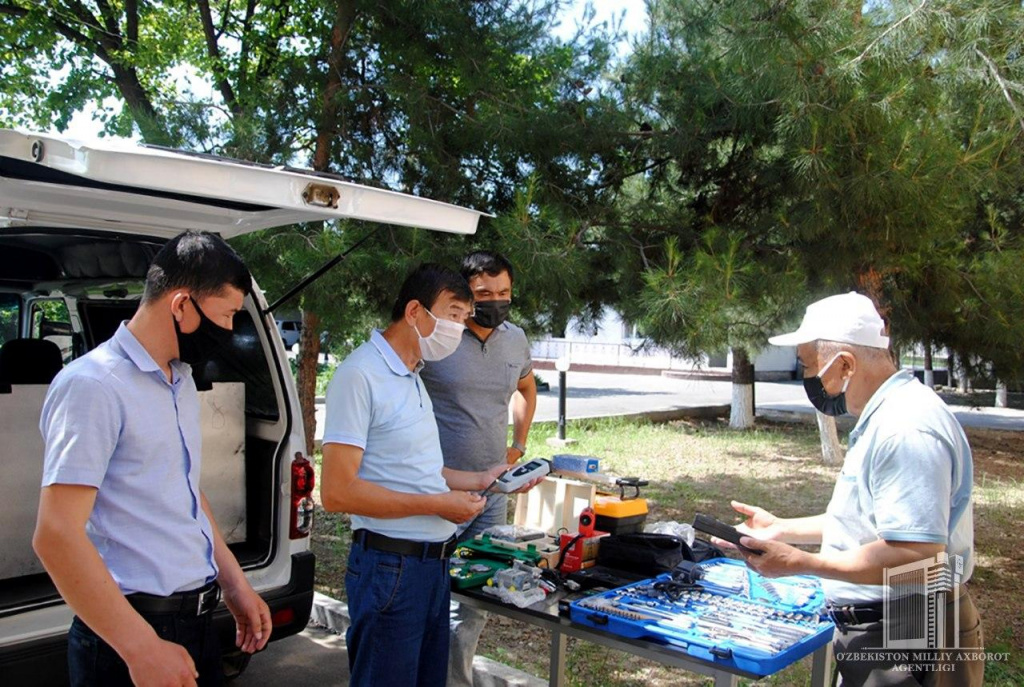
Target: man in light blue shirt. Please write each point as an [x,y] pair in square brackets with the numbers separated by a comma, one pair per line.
[123,529]
[903,497]
[382,464]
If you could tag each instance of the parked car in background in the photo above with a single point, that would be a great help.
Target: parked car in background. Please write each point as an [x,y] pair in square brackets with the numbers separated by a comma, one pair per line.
[79,226]
[291,331]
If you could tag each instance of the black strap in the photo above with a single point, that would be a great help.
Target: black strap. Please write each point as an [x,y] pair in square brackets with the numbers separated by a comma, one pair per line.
[191,603]
[845,616]
[404,547]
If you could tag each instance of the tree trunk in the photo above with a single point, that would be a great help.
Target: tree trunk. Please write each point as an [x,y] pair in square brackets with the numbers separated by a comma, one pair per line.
[309,344]
[741,415]
[963,382]
[309,351]
[1002,400]
[831,451]
[929,371]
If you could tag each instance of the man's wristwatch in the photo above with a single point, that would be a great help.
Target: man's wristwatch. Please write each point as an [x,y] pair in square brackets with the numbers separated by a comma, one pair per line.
[519,447]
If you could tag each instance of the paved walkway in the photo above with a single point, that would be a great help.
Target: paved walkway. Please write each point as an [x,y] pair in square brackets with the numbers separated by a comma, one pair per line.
[592,394]
[599,394]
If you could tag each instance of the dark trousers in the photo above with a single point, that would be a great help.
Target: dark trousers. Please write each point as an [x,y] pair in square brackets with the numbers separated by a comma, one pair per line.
[888,669]
[94,663]
[399,610]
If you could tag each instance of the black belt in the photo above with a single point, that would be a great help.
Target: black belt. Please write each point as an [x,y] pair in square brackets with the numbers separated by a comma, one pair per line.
[844,616]
[192,603]
[404,547]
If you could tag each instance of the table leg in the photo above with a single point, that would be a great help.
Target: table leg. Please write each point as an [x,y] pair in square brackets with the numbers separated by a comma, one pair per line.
[821,666]
[556,667]
[726,680]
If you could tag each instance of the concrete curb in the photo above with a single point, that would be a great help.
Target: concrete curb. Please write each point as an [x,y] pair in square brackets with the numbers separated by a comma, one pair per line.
[844,423]
[332,614]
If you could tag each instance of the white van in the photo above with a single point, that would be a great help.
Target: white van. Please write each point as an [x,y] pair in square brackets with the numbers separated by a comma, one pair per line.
[79,225]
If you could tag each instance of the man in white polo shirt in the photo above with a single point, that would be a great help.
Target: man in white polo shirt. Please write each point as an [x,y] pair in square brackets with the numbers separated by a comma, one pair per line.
[903,496]
[383,465]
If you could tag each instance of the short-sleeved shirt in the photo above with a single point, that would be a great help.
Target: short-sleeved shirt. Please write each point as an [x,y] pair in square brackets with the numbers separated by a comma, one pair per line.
[907,477]
[112,421]
[471,390]
[376,403]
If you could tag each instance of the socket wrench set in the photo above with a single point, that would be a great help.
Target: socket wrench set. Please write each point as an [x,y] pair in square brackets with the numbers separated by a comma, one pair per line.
[720,611]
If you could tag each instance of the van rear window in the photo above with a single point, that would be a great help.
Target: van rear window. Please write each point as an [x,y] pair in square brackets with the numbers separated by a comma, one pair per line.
[10,316]
[243,361]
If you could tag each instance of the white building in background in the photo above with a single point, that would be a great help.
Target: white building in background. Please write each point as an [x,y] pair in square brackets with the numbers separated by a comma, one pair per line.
[614,343]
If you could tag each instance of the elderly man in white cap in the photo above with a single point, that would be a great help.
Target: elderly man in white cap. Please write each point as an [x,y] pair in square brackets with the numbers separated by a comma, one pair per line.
[903,498]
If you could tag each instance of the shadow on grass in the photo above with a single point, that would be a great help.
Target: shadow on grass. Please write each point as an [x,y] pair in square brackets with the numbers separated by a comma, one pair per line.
[806,493]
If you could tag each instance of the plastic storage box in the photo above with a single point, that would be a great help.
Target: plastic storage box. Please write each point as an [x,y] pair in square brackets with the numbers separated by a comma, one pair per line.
[733,616]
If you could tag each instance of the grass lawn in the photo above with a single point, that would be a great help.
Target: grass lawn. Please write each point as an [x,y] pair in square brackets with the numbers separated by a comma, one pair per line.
[700,466]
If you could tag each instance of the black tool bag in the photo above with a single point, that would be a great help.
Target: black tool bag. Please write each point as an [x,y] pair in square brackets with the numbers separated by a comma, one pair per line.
[702,551]
[642,552]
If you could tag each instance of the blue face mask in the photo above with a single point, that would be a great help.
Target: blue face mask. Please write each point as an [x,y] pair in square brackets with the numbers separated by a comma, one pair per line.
[825,402]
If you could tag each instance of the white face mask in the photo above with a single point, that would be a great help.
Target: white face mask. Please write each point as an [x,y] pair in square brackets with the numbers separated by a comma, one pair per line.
[443,341]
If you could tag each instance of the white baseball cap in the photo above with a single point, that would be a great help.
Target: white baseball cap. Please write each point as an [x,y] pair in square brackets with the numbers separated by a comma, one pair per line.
[847,318]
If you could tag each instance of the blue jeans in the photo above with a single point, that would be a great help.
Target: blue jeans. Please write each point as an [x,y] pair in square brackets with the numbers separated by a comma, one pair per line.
[467,624]
[399,610]
[94,663]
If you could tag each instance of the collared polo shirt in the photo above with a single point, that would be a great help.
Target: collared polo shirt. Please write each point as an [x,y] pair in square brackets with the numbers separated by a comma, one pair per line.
[471,390]
[111,420]
[376,403]
[907,477]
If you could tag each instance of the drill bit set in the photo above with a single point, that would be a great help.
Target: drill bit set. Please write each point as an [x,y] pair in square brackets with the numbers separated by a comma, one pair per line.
[719,611]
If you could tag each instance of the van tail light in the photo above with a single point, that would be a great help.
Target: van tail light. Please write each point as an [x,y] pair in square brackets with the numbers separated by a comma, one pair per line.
[302,499]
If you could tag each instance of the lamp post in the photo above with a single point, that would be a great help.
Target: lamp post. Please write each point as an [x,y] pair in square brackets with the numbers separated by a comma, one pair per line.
[562,365]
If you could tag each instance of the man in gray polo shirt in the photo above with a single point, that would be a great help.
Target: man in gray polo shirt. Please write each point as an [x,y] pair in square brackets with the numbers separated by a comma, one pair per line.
[471,390]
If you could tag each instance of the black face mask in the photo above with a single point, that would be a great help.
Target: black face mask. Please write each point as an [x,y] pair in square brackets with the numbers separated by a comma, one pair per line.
[825,402]
[199,346]
[489,314]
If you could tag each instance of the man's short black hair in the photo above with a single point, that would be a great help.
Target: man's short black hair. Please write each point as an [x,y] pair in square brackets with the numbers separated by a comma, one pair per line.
[198,261]
[425,284]
[486,262]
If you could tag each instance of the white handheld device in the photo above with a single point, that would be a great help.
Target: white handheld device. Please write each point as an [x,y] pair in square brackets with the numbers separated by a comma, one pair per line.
[518,476]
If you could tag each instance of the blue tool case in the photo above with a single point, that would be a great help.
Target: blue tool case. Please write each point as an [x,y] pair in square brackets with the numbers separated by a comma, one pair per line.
[720,611]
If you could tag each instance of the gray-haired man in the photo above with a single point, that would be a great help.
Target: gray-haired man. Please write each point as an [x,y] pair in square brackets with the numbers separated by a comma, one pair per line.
[903,497]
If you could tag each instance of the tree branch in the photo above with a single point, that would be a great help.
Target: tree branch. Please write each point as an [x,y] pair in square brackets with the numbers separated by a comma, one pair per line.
[131,11]
[270,52]
[213,50]
[12,10]
[618,178]
[885,33]
[110,43]
[344,19]
[1002,85]
[109,18]
[243,54]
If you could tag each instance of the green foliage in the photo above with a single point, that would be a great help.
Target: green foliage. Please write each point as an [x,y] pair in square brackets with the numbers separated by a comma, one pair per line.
[10,309]
[467,103]
[825,146]
[747,157]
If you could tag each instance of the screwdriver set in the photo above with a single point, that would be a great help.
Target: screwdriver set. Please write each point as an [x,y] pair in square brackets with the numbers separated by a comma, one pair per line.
[720,611]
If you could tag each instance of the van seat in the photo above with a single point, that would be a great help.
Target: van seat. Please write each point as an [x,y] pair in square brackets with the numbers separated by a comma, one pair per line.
[28,361]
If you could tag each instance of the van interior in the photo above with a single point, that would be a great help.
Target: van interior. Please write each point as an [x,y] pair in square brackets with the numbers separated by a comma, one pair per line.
[62,293]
